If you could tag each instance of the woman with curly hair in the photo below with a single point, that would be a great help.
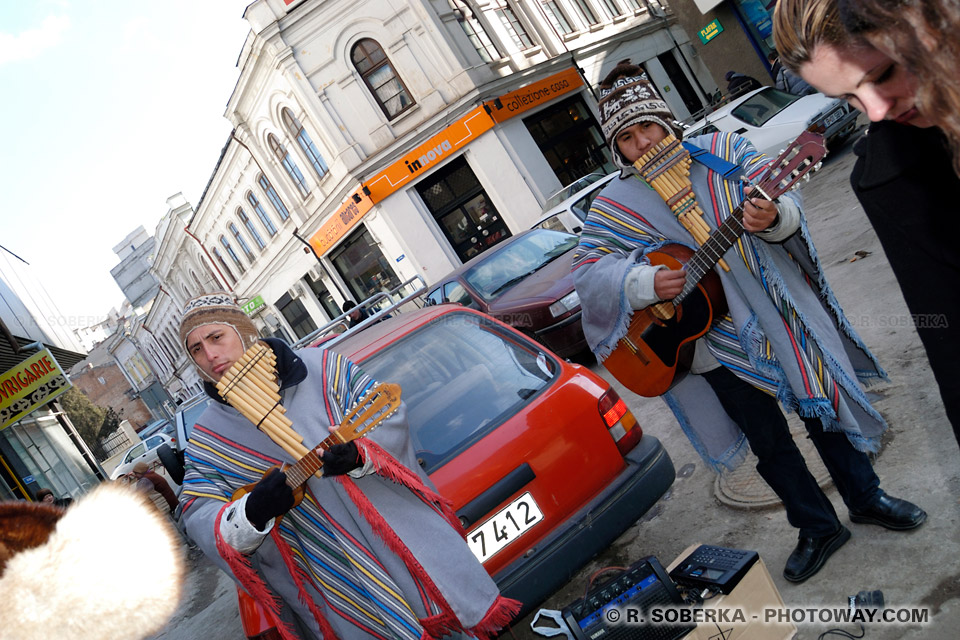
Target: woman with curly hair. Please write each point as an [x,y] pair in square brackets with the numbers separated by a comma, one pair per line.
[904,176]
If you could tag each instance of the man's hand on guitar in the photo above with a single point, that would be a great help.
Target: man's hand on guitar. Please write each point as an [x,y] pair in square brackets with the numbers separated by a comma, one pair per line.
[271,497]
[341,458]
[759,214]
[668,283]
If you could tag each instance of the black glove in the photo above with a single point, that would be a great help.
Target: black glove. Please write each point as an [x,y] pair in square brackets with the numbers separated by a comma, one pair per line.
[341,458]
[271,497]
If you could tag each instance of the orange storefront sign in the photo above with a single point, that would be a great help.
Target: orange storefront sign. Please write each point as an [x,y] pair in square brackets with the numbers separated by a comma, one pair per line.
[535,94]
[342,220]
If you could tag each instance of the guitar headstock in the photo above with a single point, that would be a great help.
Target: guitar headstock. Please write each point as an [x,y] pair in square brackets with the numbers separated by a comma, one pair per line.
[373,408]
[802,156]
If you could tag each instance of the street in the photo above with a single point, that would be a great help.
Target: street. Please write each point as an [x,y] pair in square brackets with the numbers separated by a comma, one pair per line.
[920,461]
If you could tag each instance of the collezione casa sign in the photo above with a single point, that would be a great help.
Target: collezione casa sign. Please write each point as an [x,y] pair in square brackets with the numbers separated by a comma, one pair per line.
[31,384]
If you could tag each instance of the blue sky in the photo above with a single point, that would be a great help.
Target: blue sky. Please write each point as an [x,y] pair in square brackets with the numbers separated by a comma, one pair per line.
[109,107]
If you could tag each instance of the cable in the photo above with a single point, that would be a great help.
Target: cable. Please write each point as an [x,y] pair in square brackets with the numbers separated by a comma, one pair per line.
[842,633]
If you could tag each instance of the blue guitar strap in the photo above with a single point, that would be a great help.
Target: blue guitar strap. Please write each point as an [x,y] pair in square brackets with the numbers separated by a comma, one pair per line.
[725,168]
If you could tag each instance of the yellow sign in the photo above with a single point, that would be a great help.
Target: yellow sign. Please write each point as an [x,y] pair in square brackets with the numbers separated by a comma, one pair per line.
[342,220]
[710,31]
[533,95]
[31,384]
[431,152]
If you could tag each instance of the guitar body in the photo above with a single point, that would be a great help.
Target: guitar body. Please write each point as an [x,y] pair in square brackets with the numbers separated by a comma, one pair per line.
[656,349]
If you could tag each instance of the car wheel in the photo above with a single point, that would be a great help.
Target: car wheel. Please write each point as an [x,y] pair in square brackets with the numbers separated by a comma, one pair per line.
[172,462]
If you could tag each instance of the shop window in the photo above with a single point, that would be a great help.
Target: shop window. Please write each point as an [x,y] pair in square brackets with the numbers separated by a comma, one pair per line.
[296,315]
[273,197]
[250,228]
[475,32]
[462,210]
[570,139]
[324,298]
[386,86]
[289,165]
[362,266]
[556,16]
[306,143]
[518,33]
[230,252]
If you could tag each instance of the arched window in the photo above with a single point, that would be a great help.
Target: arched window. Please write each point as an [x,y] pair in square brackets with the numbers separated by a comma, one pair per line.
[264,218]
[243,243]
[303,139]
[233,255]
[378,74]
[223,266]
[250,228]
[274,198]
[288,164]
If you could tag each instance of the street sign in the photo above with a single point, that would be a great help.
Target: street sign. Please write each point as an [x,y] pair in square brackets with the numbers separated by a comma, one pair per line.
[710,31]
[252,305]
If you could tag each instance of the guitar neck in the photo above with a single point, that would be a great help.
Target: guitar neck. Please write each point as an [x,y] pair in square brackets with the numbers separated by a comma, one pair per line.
[303,469]
[709,254]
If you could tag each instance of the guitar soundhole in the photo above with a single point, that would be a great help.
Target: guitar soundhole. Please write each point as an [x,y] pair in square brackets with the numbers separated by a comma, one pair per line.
[665,338]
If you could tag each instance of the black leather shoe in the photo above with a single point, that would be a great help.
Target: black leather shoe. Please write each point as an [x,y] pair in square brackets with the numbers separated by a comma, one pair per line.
[892,513]
[812,553]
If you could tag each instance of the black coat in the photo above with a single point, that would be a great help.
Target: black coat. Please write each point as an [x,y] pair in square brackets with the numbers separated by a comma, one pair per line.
[905,181]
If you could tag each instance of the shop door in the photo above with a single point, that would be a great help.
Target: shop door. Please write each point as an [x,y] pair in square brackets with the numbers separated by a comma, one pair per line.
[362,266]
[571,140]
[324,298]
[296,315]
[466,216]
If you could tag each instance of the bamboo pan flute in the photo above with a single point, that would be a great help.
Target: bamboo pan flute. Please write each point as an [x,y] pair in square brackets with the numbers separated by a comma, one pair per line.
[666,168]
[250,386]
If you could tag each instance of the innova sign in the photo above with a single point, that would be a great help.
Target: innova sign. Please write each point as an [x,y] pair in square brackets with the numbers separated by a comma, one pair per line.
[29,385]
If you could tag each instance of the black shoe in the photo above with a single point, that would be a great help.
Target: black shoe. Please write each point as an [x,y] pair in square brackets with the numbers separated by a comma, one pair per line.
[892,513]
[812,553]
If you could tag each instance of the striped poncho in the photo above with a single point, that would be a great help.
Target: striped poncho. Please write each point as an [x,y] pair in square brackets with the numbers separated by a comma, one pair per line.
[380,556]
[785,333]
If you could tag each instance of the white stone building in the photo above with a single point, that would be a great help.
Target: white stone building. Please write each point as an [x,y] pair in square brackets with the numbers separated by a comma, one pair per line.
[400,139]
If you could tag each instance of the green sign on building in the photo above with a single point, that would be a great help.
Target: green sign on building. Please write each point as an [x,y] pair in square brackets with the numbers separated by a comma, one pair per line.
[252,305]
[710,31]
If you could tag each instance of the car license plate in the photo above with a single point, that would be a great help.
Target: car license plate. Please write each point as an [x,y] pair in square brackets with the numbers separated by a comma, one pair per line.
[507,525]
[833,117]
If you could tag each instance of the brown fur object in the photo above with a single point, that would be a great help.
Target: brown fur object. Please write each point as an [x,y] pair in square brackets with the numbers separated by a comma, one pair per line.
[25,525]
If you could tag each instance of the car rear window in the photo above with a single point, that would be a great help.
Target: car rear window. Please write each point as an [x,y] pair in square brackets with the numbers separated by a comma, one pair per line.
[759,108]
[462,375]
[508,266]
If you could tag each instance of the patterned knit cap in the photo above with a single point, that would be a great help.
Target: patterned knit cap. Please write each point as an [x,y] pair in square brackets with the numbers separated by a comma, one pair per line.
[216,308]
[630,100]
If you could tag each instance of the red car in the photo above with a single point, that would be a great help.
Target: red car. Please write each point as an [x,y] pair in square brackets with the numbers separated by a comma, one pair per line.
[526,282]
[542,460]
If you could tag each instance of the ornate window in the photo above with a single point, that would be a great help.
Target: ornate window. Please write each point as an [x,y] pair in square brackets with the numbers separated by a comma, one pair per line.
[239,238]
[227,274]
[475,32]
[274,198]
[556,16]
[288,164]
[514,27]
[233,255]
[250,228]
[303,139]
[378,74]
[634,4]
[586,13]
[611,8]
[264,218]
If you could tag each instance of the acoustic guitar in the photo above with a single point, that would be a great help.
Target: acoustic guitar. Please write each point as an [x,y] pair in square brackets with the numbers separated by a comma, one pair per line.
[373,409]
[658,346]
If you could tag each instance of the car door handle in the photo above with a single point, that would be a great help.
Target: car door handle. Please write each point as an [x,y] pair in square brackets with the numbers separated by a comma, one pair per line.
[484,503]
[741,130]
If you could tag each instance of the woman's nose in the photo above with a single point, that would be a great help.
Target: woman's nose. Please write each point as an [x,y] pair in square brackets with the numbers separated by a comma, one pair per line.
[876,105]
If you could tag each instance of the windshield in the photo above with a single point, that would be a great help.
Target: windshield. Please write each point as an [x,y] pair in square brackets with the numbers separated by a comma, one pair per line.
[759,108]
[506,267]
[461,376]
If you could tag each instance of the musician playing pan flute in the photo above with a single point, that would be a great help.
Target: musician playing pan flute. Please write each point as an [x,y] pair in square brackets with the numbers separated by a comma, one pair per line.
[372,552]
[783,339]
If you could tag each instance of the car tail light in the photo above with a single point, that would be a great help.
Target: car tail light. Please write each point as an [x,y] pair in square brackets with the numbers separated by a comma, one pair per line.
[620,422]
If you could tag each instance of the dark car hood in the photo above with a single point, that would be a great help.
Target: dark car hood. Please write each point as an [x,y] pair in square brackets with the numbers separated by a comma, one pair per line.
[547,285]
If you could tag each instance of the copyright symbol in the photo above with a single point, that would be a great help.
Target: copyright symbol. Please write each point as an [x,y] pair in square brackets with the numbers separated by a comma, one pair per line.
[613,615]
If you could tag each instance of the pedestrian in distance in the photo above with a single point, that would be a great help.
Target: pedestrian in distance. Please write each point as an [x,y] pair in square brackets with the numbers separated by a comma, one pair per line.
[738,83]
[371,551]
[785,79]
[904,176]
[149,481]
[785,338]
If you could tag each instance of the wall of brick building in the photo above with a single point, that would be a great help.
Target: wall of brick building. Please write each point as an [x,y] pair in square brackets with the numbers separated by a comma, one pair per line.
[114,392]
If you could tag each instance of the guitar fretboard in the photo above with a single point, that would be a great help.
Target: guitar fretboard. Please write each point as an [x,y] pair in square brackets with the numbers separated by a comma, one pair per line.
[711,251]
[303,469]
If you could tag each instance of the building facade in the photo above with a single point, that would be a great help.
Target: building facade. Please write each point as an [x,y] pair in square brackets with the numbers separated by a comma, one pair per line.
[377,143]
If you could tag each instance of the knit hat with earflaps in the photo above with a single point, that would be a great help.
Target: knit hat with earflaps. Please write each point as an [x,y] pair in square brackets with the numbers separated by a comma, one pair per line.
[216,308]
[628,101]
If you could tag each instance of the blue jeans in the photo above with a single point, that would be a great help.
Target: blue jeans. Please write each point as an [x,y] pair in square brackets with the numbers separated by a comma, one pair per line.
[781,465]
